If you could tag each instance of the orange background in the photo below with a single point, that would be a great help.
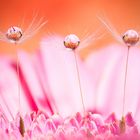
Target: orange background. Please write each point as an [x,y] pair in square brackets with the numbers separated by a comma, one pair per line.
[67,16]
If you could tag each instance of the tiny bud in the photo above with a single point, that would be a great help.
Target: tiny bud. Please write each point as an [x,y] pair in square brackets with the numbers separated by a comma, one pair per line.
[71,41]
[14,34]
[131,37]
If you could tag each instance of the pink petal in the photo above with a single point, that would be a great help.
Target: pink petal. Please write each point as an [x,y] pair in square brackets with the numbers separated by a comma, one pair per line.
[32,86]
[9,90]
[129,119]
[108,74]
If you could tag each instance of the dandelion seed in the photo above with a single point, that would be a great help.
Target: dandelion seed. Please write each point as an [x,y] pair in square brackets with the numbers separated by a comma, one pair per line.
[72,42]
[130,38]
[16,35]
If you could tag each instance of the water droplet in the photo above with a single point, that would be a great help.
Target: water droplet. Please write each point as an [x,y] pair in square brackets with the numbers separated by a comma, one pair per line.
[71,41]
[14,34]
[130,37]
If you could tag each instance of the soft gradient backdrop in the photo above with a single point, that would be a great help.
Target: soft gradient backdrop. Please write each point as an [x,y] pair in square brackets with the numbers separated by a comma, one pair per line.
[67,16]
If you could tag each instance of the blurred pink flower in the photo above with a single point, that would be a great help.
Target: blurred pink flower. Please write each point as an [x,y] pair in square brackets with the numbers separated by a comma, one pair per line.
[50,89]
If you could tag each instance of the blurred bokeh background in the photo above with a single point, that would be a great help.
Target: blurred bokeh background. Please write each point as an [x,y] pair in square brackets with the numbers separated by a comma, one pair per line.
[68,16]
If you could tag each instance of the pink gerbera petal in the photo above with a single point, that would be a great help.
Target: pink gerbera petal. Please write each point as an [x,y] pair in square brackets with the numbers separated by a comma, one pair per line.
[109,72]
[51,97]
[9,90]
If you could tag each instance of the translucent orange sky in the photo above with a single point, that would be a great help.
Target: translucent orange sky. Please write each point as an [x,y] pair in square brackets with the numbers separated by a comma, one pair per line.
[67,16]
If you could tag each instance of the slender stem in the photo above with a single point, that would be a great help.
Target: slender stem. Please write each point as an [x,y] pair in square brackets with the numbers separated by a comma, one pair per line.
[125,80]
[18,74]
[78,76]
[21,122]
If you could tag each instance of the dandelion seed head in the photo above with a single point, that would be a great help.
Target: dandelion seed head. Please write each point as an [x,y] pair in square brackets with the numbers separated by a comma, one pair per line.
[71,41]
[14,34]
[130,37]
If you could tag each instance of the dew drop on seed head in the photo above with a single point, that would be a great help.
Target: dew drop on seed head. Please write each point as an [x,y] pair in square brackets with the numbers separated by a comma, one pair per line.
[71,41]
[130,37]
[14,34]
